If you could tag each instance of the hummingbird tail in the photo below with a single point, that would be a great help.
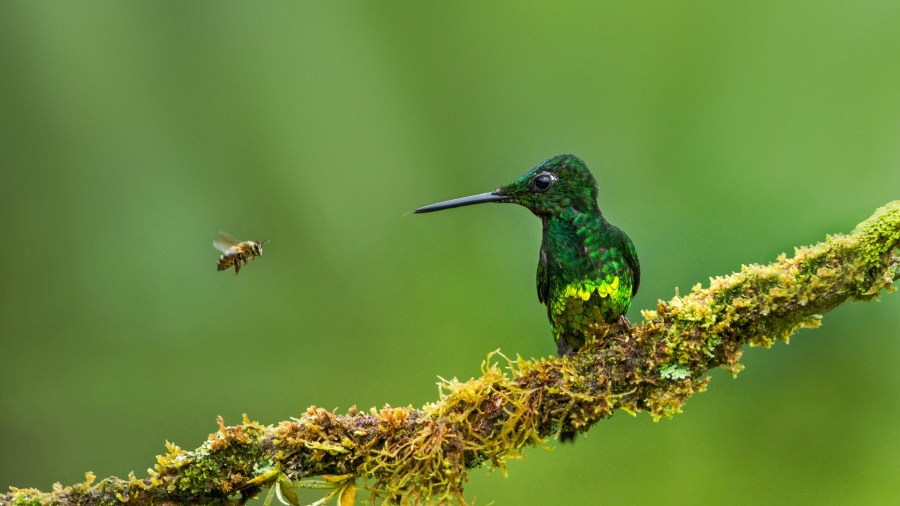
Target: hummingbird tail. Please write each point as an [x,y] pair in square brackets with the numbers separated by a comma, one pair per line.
[567,436]
[565,345]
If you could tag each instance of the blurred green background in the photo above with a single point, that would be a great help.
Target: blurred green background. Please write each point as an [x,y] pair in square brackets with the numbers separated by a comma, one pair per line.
[721,133]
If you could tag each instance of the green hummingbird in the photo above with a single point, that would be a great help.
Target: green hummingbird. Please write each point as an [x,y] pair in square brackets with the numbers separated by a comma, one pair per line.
[588,270]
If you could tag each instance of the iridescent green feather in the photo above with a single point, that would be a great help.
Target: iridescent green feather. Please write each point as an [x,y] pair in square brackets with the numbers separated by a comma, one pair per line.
[588,269]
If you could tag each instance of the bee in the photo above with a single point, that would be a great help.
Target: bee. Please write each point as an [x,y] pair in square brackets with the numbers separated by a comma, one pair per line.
[236,252]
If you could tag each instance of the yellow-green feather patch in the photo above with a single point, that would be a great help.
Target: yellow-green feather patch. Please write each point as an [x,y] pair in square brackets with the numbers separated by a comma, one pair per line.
[573,303]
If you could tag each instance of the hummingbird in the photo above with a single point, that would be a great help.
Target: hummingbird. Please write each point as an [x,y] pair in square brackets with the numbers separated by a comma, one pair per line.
[588,269]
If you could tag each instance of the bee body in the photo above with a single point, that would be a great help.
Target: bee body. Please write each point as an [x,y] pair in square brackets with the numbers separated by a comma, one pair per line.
[235,253]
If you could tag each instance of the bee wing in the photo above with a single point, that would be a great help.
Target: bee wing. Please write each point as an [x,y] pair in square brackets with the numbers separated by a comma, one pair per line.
[224,242]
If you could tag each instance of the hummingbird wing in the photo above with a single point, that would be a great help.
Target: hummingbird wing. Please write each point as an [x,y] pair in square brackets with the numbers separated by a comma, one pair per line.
[543,279]
[632,259]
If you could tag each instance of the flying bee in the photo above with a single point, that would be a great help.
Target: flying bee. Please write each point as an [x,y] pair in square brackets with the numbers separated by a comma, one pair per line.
[236,252]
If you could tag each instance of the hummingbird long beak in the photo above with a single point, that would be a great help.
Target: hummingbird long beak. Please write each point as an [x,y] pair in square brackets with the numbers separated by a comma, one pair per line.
[464,201]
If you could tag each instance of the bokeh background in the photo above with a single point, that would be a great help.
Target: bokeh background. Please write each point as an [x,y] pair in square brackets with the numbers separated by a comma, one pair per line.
[721,133]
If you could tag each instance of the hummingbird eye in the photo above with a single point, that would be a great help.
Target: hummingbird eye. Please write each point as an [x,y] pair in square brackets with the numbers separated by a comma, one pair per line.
[542,182]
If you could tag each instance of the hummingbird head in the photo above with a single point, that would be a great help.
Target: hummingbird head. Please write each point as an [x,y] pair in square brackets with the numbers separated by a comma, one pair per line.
[555,184]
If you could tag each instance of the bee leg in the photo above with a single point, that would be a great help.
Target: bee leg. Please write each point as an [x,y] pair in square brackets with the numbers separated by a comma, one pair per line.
[237,267]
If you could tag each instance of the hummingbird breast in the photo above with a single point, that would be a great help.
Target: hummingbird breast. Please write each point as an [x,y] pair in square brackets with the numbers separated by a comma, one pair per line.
[585,273]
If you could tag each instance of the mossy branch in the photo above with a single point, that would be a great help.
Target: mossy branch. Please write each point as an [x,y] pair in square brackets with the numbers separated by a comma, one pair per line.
[406,455]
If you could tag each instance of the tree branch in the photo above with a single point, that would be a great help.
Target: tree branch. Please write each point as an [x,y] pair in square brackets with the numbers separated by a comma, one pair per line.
[405,455]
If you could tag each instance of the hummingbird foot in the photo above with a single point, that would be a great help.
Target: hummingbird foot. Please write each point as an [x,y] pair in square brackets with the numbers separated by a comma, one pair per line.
[623,321]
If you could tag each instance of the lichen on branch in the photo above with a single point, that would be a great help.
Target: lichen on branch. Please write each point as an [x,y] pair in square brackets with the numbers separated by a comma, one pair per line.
[420,456]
